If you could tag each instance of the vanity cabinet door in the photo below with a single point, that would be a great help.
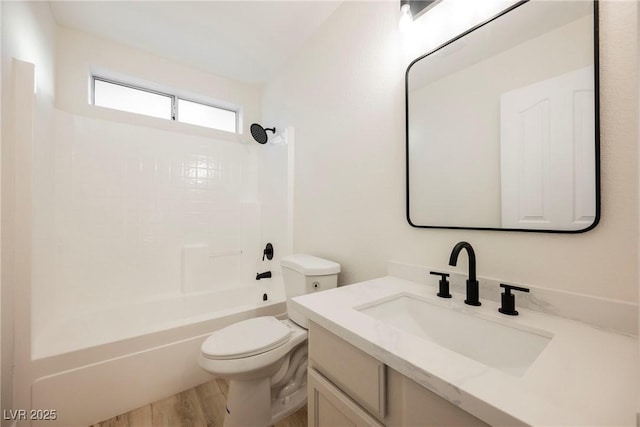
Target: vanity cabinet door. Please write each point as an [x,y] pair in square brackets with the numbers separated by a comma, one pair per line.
[329,407]
[356,373]
[410,404]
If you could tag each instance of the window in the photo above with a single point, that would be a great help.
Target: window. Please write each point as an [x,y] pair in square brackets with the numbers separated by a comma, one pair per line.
[124,97]
[206,115]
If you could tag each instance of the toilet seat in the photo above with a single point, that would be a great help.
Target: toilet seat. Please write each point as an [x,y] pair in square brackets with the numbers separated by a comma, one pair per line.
[246,368]
[246,338]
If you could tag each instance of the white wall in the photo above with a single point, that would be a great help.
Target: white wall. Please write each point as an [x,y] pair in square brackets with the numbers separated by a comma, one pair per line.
[138,207]
[126,201]
[28,34]
[345,95]
[80,54]
[274,185]
[114,196]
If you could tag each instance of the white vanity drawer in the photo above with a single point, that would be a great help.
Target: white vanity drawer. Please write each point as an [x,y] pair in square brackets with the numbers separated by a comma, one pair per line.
[330,407]
[359,375]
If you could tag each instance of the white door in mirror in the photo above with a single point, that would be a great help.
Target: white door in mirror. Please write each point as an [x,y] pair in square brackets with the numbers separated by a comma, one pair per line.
[547,156]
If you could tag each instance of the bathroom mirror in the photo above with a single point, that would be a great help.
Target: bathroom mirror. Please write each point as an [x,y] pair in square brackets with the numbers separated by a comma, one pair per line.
[502,124]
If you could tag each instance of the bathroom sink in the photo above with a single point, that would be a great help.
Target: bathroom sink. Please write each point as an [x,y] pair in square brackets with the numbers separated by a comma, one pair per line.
[511,349]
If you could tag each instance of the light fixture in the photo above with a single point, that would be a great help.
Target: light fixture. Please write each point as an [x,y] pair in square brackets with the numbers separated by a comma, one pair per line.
[405,16]
[411,9]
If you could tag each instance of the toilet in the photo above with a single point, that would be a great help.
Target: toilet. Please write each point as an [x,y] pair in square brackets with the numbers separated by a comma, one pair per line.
[265,359]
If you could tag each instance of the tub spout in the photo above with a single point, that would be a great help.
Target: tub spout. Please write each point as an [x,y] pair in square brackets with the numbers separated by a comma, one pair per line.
[265,275]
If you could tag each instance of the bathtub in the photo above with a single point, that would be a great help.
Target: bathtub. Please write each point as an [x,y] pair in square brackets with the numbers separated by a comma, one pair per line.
[90,366]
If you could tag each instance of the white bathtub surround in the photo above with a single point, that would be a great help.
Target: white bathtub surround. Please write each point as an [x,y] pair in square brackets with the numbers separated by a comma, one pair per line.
[141,214]
[127,199]
[615,315]
[151,235]
[204,270]
[584,375]
[81,329]
[120,376]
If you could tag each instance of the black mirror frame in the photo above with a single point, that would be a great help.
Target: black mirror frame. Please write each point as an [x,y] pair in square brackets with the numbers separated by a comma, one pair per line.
[596,67]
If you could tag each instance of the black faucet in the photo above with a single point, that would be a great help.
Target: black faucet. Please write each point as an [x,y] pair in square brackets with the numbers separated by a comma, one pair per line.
[473,294]
[265,275]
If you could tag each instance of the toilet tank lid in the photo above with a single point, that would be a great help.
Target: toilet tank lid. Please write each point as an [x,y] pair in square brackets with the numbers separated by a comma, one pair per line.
[310,265]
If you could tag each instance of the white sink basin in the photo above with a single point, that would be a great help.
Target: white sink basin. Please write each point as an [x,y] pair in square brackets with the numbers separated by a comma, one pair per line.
[511,349]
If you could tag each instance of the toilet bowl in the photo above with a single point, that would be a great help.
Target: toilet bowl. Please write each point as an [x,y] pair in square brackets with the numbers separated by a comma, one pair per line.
[265,359]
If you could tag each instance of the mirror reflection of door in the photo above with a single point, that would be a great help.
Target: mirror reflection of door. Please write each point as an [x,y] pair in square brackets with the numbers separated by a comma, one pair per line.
[547,156]
[501,124]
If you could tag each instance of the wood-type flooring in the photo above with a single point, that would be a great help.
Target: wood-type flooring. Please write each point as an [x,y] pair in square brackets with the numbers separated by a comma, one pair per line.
[201,406]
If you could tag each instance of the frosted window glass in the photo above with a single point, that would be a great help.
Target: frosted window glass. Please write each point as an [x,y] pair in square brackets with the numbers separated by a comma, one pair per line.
[206,115]
[125,98]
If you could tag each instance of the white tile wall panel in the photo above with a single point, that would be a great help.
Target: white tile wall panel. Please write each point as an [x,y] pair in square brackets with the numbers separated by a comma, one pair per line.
[123,202]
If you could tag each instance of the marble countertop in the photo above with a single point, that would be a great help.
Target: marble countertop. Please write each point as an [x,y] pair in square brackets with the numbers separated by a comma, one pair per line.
[584,376]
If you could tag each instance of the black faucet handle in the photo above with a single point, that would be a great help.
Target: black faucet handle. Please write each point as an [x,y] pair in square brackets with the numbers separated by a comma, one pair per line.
[509,288]
[268,252]
[509,300]
[444,284]
[437,273]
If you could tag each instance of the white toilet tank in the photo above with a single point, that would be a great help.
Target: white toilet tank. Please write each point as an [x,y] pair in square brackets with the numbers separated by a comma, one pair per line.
[304,274]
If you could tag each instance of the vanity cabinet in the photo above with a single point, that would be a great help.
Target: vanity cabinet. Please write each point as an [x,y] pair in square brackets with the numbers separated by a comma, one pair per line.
[347,386]
[328,406]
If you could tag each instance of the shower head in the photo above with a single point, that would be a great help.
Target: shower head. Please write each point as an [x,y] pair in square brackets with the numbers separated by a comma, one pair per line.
[260,134]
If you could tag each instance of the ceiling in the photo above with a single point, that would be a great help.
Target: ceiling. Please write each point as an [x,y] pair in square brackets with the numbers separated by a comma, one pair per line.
[250,41]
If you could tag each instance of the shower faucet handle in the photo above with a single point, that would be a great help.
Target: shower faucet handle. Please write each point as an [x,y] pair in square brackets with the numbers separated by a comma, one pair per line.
[268,252]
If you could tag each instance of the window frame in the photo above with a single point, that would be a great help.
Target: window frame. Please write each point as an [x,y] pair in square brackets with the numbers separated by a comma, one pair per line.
[175,114]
